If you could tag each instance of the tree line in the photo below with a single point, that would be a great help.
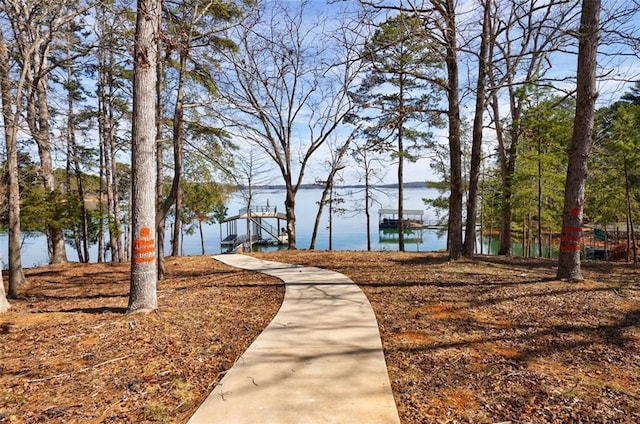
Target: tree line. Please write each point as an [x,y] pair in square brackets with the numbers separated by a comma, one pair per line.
[119,122]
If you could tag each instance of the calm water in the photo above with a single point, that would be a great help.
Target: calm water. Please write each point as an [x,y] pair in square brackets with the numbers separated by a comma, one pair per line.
[349,228]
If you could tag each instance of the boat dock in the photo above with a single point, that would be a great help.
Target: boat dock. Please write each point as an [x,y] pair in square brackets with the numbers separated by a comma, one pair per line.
[390,218]
[259,228]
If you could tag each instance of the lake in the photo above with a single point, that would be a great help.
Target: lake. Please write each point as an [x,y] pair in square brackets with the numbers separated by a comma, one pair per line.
[349,228]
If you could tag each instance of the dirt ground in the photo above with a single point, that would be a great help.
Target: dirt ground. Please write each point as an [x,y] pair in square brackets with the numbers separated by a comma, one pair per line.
[492,340]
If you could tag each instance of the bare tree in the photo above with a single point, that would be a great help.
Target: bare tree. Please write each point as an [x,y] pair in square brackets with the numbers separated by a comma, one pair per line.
[14,200]
[335,164]
[523,37]
[287,90]
[569,257]
[254,171]
[142,294]
[366,159]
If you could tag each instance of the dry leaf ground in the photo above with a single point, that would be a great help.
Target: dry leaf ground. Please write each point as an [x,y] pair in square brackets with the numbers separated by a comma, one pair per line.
[69,354]
[490,340]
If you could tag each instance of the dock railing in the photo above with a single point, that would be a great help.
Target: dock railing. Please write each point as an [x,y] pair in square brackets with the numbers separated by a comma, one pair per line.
[260,210]
[273,231]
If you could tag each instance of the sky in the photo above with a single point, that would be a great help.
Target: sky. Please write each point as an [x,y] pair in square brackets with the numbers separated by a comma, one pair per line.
[618,67]
[618,63]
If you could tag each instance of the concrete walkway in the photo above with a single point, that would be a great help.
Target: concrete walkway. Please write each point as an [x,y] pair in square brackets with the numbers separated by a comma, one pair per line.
[319,361]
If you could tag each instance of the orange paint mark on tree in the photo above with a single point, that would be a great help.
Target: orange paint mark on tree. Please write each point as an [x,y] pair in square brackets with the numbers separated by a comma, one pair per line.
[144,248]
[569,238]
[570,247]
[571,230]
[143,243]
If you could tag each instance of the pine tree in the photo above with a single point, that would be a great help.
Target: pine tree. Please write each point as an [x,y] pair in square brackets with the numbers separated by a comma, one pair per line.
[541,161]
[399,95]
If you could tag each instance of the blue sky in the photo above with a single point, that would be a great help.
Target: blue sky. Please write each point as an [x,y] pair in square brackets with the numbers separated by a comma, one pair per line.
[618,66]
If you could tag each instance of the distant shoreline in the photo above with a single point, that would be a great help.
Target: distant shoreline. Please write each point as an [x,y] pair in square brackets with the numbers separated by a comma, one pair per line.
[412,184]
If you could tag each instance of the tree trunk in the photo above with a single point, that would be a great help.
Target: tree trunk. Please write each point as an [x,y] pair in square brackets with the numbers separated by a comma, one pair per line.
[631,234]
[490,242]
[116,237]
[504,247]
[249,222]
[290,211]
[539,198]
[482,217]
[101,118]
[115,224]
[528,233]
[101,195]
[38,121]
[400,174]
[367,212]
[69,171]
[202,237]
[476,144]
[178,147]
[16,273]
[107,143]
[331,218]
[316,224]
[586,94]
[508,157]
[82,245]
[112,217]
[336,166]
[84,214]
[161,220]
[174,199]
[455,150]
[142,294]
